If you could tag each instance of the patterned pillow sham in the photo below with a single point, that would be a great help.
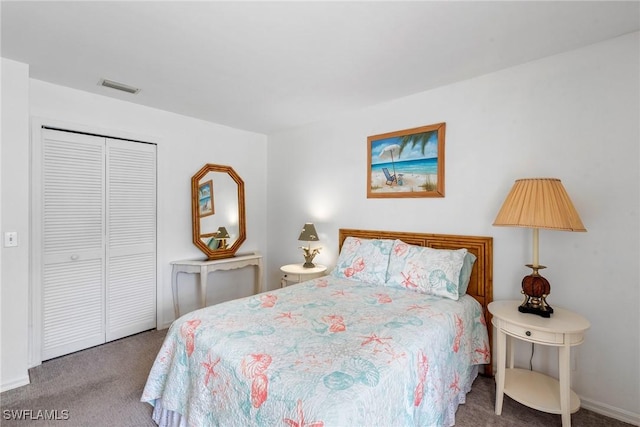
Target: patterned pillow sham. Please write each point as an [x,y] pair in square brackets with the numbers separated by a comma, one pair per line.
[425,270]
[364,260]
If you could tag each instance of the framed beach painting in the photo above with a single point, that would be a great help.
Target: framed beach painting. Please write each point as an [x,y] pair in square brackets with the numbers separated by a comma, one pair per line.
[406,163]
[205,199]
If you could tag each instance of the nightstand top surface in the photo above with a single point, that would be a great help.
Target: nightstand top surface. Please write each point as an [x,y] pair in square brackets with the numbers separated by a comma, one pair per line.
[561,321]
[299,269]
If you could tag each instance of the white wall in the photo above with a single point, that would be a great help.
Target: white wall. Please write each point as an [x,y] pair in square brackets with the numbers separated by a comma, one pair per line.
[14,191]
[184,146]
[573,116]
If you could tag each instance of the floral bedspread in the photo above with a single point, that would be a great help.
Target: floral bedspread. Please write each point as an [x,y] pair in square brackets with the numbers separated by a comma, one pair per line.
[327,352]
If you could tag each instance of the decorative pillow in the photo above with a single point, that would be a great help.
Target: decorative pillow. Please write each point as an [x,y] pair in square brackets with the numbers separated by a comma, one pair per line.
[364,260]
[465,273]
[425,270]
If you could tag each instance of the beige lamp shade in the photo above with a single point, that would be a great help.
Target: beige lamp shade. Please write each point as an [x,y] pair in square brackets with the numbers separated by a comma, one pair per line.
[539,203]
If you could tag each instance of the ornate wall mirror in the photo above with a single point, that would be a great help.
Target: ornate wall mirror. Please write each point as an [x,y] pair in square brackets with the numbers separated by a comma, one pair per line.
[217,204]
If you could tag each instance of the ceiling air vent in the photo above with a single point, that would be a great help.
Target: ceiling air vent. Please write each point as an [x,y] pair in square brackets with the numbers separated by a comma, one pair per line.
[118,86]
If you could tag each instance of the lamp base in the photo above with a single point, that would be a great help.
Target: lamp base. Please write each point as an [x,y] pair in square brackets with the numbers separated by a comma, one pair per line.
[309,255]
[535,289]
[540,310]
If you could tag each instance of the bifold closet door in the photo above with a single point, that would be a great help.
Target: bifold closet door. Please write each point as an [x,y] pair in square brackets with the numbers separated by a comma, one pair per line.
[73,291]
[131,238]
[98,275]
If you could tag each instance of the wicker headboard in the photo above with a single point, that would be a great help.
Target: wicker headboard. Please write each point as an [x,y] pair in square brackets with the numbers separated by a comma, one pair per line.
[481,283]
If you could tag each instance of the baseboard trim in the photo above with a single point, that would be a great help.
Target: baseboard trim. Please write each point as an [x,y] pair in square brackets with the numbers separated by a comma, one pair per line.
[14,384]
[164,326]
[610,411]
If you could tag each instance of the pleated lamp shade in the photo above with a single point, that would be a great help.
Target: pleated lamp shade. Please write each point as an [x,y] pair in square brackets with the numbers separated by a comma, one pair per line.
[539,203]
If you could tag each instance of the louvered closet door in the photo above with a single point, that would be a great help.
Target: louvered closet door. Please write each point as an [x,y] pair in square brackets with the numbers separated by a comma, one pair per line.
[131,238]
[73,243]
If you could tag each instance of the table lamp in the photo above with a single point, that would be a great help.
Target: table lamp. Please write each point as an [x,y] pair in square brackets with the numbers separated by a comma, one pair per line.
[309,234]
[222,235]
[538,203]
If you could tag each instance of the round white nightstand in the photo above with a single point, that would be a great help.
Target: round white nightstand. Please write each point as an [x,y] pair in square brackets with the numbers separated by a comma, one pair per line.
[563,329]
[296,273]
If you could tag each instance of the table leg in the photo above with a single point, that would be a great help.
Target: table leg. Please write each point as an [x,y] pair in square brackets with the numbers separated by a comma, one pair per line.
[564,369]
[203,285]
[500,373]
[259,275]
[174,290]
[510,353]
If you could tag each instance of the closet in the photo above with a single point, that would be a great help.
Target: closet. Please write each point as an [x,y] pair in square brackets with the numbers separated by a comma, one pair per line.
[95,223]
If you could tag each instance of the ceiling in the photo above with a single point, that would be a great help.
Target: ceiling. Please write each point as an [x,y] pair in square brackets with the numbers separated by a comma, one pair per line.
[266,66]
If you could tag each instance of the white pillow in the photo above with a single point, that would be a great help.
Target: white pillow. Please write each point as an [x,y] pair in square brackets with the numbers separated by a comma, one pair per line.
[425,270]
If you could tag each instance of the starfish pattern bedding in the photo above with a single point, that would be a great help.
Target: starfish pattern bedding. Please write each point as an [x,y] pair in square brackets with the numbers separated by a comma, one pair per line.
[327,352]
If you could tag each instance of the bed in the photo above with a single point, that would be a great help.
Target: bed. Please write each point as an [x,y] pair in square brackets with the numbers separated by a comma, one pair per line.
[370,344]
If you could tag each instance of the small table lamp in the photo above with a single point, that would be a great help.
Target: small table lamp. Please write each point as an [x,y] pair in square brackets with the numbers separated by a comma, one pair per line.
[222,234]
[309,234]
[538,203]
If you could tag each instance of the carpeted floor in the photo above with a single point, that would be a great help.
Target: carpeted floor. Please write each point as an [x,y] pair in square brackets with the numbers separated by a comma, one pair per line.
[101,386]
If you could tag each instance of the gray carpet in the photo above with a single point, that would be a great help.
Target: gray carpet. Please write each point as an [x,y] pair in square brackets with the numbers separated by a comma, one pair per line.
[101,386]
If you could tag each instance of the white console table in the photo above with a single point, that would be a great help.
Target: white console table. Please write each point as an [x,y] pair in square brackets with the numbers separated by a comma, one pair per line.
[204,267]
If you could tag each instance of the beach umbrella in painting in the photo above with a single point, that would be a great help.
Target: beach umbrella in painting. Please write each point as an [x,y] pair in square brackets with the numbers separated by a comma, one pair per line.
[391,151]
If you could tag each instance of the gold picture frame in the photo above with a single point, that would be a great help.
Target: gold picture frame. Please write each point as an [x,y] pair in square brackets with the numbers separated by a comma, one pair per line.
[406,163]
[205,199]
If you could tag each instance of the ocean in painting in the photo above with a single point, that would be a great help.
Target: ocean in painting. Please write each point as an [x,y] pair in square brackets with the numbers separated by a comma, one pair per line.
[417,166]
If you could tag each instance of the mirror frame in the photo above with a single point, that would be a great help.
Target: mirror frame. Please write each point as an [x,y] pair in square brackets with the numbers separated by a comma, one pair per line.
[242,233]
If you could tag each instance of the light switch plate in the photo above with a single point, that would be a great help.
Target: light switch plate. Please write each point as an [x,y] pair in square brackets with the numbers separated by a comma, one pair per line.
[10,239]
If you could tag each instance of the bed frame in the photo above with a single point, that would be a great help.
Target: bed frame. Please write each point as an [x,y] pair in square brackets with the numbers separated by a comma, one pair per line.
[481,283]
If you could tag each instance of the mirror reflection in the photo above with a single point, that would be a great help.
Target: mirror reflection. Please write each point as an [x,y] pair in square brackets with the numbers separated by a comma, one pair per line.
[218,210]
